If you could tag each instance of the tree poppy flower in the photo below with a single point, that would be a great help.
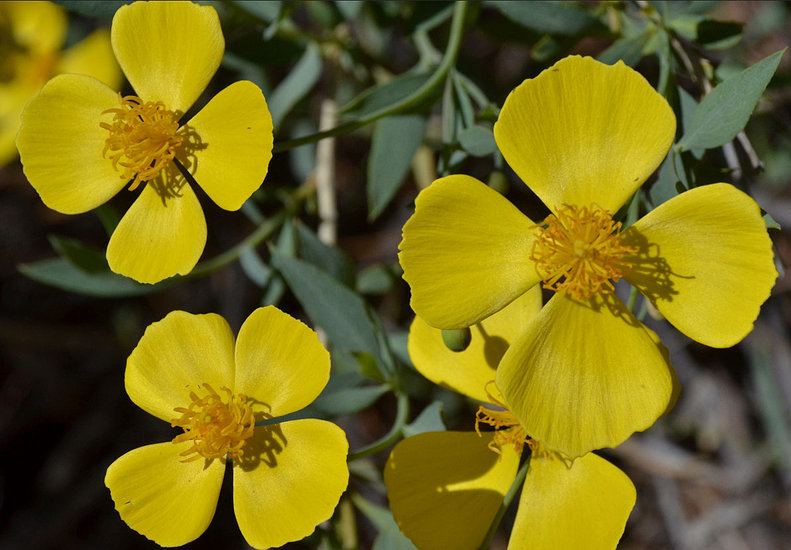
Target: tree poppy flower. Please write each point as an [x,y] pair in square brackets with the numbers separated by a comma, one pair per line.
[586,373]
[287,476]
[33,34]
[445,488]
[81,142]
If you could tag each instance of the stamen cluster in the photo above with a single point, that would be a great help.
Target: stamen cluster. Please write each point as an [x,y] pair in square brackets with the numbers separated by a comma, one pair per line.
[217,428]
[507,427]
[142,138]
[579,250]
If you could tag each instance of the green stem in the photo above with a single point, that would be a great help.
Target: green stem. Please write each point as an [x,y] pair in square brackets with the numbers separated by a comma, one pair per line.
[633,292]
[448,60]
[402,414]
[498,517]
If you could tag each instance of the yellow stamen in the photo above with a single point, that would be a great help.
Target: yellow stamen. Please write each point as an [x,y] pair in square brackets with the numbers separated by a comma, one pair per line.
[142,139]
[217,428]
[507,427]
[579,250]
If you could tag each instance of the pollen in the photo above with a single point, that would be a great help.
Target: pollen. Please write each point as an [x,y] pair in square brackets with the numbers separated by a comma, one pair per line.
[579,250]
[506,426]
[142,138]
[217,428]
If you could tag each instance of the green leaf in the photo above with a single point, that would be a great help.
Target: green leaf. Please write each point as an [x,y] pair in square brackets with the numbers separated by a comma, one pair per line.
[61,273]
[548,17]
[254,267]
[341,397]
[328,258]
[390,537]
[478,141]
[377,279]
[83,257]
[664,188]
[332,306]
[349,9]
[429,420]
[724,112]
[267,11]
[628,49]
[296,85]
[770,221]
[395,140]
[712,34]
[384,95]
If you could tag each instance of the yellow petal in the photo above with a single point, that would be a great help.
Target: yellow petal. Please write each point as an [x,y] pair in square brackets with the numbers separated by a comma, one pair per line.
[174,356]
[39,27]
[168,50]
[280,361]
[60,143]
[465,252]
[706,263]
[584,377]
[583,132]
[163,233]
[445,487]
[92,56]
[231,146]
[290,480]
[470,370]
[567,508]
[166,500]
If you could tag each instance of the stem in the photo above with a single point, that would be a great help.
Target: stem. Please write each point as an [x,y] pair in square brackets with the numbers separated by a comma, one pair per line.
[448,60]
[498,517]
[392,436]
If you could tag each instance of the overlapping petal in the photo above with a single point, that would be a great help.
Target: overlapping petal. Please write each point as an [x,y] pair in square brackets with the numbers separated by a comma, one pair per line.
[445,487]
[705,262]
[168,50]
[233,146]
[60,142]
[289,480]
[469,371]
[92,56]
[168,501]
[175,356]
[465,252]
[163,233]
[566,507]
[592,392]
[583,132]
[280,361]
[39,27]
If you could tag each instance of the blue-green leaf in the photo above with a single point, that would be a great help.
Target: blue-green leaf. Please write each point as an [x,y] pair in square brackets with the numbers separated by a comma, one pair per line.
[394,142]
[384,95]
[724,112]
[329,258]
[429,420]
[296,85]
[61,273]
[478,141]
[548,17]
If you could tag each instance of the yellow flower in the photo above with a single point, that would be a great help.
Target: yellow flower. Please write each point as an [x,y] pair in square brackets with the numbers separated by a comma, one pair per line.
[81,142]
[31,37]
[446,487]
[586,374]
[287,476]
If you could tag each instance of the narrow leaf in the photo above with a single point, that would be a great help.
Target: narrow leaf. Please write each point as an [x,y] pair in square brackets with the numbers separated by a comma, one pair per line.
[478,141]
[60,273]
[384,95]
[296,85]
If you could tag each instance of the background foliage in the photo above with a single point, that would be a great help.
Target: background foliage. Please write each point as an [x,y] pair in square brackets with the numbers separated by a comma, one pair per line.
[410,91]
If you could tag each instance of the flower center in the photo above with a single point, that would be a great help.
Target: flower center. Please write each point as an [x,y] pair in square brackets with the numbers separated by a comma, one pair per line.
[142,138]
[579,250]
[506,426]
[216,428]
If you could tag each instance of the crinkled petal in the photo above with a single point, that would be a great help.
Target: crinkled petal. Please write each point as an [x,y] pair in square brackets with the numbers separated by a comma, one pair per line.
[39,27]
[280,361]
[168,50]
[585,376]
[176,355]
[163,233]
[583,132]
[60,143]
[465,252]
[229,144]
[469,371]
[445,487]
[705,262]
[168,501]
[567,507]
[93,56]
[290,479]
